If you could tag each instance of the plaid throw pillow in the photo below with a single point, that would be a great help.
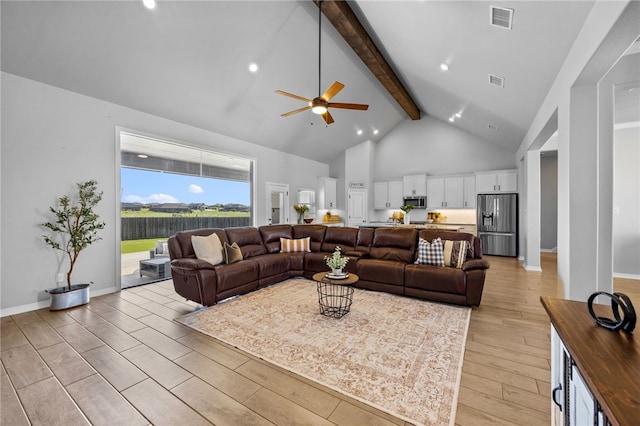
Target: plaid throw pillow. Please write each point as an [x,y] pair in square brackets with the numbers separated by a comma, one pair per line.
[430,253]
[455,253]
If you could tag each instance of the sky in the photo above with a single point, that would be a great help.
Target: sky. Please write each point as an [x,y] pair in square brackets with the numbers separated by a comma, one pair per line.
[143,186]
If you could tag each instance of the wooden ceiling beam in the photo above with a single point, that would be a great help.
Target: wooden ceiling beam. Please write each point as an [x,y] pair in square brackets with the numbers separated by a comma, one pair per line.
[340,14]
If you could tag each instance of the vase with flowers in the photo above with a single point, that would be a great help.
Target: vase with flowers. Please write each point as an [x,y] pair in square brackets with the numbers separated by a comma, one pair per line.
[336,261]
[406,209]
[301,209]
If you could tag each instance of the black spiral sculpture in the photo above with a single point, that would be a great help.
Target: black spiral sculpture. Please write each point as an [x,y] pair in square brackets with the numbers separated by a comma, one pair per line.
[619,302]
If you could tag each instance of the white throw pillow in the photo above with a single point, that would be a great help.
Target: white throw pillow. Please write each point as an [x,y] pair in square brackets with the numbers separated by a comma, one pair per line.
[208,248]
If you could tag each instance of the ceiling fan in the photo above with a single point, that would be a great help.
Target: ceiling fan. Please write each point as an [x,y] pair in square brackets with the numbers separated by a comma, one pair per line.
[320,105]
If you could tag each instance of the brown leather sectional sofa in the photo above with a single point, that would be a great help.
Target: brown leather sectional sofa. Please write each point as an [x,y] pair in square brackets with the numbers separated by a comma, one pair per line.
[381,257]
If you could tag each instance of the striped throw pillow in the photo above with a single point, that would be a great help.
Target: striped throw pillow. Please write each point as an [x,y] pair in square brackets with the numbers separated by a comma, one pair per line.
[430,253]
[455,253]
[290,246]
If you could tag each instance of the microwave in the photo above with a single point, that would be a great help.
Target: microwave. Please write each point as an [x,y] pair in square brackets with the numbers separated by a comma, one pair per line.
[416,202]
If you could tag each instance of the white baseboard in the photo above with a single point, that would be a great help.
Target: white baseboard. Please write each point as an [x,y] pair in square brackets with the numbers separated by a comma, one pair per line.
[532,268]
[627,276]
[553,250]
[14,310]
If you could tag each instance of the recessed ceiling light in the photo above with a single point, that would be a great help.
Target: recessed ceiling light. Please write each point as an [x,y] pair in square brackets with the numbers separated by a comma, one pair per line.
[444,67]
[143,156]
[149,4]
[458,115]
[359,132]
[253,67]
[375,132]
[452,118]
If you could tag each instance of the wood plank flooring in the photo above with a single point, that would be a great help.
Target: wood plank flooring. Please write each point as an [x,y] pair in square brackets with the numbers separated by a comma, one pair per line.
[122,360]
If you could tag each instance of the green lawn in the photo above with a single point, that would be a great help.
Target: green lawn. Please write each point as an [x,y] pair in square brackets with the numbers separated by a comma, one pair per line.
[134,246]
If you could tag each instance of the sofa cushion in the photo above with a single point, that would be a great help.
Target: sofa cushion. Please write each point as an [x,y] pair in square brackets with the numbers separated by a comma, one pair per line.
[315,232]
[248,239]
[208,248]
[291,246]
[455,253]
[180,246]
[271,235]
[436,279]
[272,264]
[394,244]
[381,271]
[430,253]
[232,253]
[344,237]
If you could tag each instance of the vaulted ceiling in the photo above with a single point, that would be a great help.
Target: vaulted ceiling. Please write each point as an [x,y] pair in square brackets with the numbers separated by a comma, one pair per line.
[188,61]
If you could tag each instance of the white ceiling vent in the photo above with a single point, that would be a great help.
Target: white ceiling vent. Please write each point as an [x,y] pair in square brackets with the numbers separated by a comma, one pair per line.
[492,127]
[501,17]
[496,81]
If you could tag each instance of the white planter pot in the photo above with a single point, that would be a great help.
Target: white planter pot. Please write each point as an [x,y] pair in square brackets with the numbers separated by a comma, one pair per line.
[336,271]
[63,298]
[407,219]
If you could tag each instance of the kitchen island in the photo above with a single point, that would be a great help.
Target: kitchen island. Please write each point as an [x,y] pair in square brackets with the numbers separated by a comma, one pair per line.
[421,225]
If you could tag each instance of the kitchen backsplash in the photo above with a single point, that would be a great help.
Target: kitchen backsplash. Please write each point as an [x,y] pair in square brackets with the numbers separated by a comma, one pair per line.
[458,216]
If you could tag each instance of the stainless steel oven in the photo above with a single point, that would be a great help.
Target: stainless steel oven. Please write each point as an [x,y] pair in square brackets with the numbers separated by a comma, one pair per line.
[416,202]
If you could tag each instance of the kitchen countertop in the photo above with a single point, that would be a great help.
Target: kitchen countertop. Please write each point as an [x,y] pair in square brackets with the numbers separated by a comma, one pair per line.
[446,227]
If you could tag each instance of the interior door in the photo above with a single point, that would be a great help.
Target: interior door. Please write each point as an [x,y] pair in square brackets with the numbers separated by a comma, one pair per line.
[277,203]
[357,209]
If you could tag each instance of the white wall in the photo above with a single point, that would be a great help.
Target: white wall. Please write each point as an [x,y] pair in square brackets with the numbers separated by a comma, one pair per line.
[626,202]
[51,139]
[437,148]
[584,254]
[549,201]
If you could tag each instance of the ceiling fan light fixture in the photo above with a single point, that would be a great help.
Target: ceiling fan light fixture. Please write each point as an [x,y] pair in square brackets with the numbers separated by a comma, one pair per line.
[319,106]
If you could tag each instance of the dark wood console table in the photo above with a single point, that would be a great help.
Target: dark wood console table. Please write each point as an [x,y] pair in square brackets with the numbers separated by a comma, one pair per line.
[608,361]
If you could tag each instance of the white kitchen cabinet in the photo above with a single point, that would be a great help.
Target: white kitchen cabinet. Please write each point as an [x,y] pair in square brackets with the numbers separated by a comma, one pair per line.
[497,181]
[387,195]
[470,194]
[445,193]
[414,185]
[435,193]
[327,193]
[469,229]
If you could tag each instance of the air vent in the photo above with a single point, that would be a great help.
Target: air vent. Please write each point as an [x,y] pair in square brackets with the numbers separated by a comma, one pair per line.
[496,81]
[492,127]
[501,17]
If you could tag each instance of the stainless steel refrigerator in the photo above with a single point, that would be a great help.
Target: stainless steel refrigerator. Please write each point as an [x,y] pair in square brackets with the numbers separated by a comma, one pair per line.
[498,223]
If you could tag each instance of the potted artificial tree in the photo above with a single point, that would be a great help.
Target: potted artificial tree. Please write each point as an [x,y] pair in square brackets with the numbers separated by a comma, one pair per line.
[75,228]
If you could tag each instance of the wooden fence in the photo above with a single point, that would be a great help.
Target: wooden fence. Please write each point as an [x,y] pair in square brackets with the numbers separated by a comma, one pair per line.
[138,228]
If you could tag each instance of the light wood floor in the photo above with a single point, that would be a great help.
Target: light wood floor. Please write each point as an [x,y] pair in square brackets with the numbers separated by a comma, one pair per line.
[122,360]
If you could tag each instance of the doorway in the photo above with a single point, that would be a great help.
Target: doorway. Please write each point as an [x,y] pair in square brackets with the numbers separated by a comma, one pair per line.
[277,203]
[357,208]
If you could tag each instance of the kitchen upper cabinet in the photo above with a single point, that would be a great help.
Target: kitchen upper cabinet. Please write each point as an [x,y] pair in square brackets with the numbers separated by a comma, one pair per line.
[445,192]
[327,193]
[496,182]
[414,185]
[387,195]
[470,194]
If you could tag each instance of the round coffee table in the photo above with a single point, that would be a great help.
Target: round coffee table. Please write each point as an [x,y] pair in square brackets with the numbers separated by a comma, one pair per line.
[334,295]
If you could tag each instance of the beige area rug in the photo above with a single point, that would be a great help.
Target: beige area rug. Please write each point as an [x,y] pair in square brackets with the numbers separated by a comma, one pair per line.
[401,355]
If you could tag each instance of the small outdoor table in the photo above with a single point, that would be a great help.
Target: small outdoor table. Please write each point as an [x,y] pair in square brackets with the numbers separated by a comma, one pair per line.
[335,295]
[158,267]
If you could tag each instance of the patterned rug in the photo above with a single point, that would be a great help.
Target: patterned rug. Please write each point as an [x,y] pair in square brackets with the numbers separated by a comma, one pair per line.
[401,355]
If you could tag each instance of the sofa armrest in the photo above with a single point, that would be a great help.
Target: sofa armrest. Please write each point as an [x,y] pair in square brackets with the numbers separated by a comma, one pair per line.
[357,254]
[188,263]
[472,264]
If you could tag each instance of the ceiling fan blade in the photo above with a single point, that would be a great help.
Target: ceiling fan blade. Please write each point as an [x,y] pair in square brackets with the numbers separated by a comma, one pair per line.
[332,91]
[327,117]
[287,114]
[300,98]
[348,106]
